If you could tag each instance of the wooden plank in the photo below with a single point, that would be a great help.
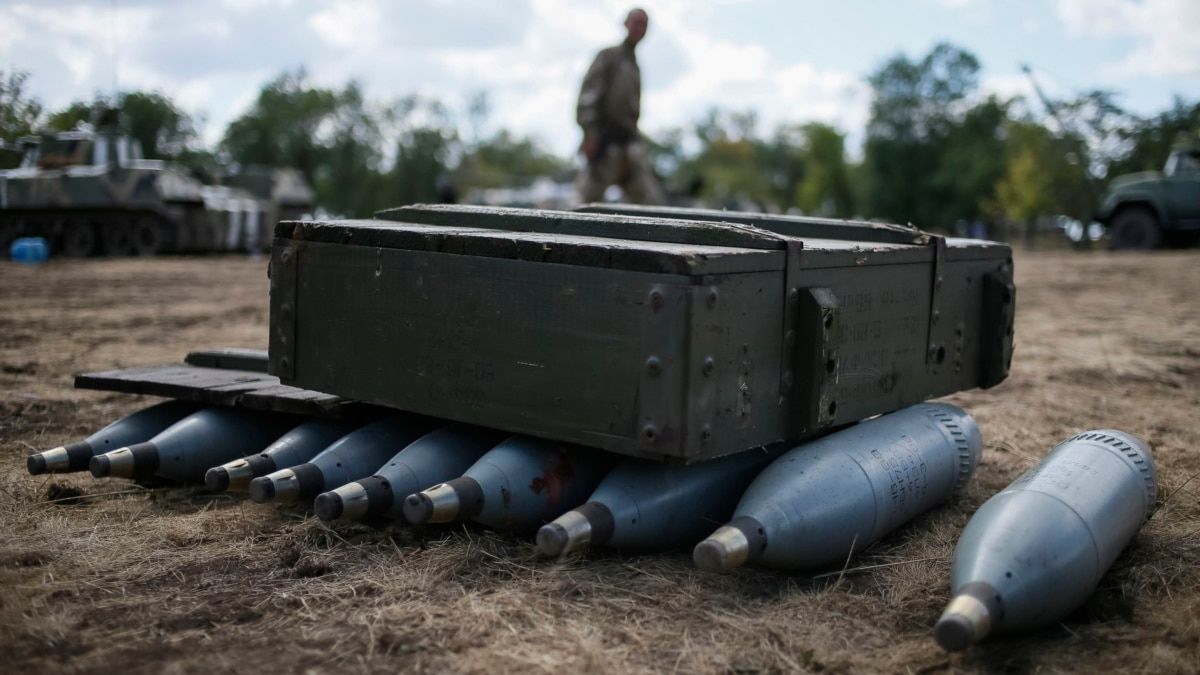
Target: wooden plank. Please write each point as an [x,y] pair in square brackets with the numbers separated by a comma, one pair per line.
[224,387]
[705,232]
[230,358]
[656,257]
[791,226]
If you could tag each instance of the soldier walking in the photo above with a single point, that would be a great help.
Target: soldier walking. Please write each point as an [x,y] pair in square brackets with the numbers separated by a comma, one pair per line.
[609,105]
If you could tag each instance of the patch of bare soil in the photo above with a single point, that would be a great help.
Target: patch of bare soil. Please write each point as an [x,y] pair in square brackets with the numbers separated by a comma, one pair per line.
[104,576]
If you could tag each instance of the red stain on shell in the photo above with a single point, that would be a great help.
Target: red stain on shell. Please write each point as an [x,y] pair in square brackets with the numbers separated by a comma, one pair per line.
[557,474]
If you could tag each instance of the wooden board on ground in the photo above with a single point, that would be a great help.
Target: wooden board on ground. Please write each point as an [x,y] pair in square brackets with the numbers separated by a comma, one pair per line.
[246,387]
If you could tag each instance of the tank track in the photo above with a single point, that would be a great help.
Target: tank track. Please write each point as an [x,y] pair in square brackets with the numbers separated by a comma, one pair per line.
[85,233]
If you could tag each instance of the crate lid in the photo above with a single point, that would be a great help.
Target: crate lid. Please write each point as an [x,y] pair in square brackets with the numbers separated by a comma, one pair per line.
[620,242]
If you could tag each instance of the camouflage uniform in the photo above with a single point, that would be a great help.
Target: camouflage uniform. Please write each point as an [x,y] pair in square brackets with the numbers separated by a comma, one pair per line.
[608,109]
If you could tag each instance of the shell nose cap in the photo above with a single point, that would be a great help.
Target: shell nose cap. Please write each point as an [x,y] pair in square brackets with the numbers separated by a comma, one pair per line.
[36,464]
[552,540]
[262,490]
[216,479]
[328,506]
[725,550]
[100,466]
[952,632]
[418,508]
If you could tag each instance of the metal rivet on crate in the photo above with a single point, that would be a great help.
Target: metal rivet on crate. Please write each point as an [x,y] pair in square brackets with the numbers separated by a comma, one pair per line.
[653,366]
[709,364]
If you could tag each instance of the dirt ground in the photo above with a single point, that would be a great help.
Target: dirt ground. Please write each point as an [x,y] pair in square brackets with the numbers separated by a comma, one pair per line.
[105,576]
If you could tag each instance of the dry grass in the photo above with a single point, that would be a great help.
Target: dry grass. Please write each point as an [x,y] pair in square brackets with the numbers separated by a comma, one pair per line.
[108,576]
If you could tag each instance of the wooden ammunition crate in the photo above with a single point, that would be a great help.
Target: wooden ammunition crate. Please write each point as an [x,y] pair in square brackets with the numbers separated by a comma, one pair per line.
[665,333]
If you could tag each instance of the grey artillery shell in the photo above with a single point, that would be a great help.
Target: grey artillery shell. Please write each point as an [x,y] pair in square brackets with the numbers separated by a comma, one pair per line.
[647,506]
[438,456]
[295,447]
[826,499]
[135,428]
[186,449]
[520,484]
[356,455]
[1036,550]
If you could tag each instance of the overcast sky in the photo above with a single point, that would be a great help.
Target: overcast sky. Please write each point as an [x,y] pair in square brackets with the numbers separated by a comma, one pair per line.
[796,60]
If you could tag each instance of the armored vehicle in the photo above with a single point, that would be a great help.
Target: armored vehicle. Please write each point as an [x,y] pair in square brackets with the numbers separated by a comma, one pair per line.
[278,193]
[1145,210]
[89,192]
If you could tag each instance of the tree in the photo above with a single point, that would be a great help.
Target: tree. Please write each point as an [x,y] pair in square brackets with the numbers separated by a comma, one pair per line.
[420,171]
[19,114]
[505,159]
[330,136]
[1041,177]
[161,128]
[962,186]
[824,187]
[729,167]
[916,106]
[70,117]
[283,127]
[426,143]
[1151,139]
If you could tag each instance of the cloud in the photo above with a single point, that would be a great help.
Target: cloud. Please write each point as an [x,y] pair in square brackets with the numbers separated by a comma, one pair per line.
[716,72]
[212,57]
[1164,33]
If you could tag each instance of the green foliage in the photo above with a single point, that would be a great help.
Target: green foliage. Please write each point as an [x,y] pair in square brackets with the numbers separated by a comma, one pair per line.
[19,115]
[70,117]
[328,135]
[825,185]
[1151,139]
[152,118]
[163,130]
[1041,177]
[282,127]
[935,152]
[421,155]
[506,160]
[972,160]
[915,100]
[918,116]
[730,166]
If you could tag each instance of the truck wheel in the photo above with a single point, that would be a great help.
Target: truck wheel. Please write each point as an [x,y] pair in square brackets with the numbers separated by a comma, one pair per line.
[149,237]
[118,239]
[78,239]
[1135,228]
[8,234]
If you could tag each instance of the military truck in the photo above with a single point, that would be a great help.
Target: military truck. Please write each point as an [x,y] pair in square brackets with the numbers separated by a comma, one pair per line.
[90,192]
[1149,209]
